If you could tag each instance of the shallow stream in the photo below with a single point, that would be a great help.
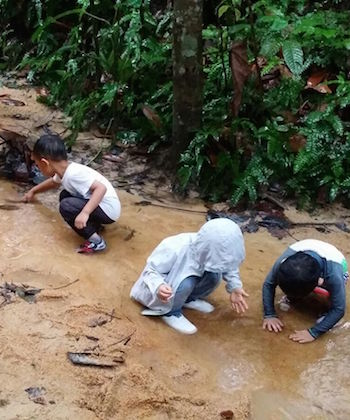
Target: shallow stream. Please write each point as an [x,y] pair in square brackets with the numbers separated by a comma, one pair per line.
[230,358]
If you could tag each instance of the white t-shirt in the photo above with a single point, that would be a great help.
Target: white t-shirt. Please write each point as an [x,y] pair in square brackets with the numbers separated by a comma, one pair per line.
[78,179]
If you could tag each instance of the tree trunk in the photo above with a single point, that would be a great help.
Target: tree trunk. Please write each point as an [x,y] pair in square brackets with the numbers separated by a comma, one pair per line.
[187,74]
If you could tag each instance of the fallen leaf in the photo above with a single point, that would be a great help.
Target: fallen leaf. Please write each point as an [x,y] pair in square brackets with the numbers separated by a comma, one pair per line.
[240,70]
[314,82]
[316,78]
[7,100]
[151,115]
[88,359]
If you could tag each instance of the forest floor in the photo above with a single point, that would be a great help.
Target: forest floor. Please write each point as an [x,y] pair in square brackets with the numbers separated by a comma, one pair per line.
[230,369]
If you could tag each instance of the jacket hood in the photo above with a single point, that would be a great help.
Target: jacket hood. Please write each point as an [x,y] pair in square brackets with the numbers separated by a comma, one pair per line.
[219,246]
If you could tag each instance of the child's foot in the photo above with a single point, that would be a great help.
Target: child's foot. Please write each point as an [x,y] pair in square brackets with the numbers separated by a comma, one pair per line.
[180,323]
[200,305]
[89,247]
[284,304]
[150,312]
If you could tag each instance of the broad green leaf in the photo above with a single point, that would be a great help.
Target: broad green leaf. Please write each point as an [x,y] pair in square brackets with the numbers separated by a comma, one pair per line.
[222,10]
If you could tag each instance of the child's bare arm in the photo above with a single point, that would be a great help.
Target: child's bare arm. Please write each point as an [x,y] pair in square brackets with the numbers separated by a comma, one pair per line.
[46,185]
[98,191]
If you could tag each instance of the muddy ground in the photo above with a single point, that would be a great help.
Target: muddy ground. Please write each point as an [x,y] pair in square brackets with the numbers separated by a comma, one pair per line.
[229,369]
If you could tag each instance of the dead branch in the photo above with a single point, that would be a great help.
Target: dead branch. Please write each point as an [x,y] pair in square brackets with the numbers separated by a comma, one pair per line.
[149,203]
[126,339]
[65,285]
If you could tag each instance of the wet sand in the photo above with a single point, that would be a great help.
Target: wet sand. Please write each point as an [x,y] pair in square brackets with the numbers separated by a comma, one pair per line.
[230,364]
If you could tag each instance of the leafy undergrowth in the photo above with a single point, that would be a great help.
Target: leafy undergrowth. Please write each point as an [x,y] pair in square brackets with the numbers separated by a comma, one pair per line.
[284,125]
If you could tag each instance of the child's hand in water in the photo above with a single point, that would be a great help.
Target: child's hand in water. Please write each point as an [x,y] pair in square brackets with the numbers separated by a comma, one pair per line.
[302,336]
[164,292]
[273,324]
[238,302]
[28,197]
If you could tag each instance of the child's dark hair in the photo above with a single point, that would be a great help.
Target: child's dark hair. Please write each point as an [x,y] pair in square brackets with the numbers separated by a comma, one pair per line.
[298,274]
[50,146]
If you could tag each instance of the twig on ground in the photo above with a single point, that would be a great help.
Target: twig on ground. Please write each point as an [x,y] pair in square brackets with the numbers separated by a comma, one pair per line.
[101,148]
[292,236]
[65,285]
[111,315]
[149,203]
[273,200]
[126,339]
[95,156]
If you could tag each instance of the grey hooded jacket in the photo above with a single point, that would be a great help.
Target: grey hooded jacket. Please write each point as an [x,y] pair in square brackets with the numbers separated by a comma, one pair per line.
[217,247]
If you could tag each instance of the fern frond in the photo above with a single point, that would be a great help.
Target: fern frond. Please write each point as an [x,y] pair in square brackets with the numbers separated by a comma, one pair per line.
[294,57]
[337,125]
[270,47]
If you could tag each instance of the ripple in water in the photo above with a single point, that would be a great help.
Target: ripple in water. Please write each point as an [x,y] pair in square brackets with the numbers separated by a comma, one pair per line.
[326,382]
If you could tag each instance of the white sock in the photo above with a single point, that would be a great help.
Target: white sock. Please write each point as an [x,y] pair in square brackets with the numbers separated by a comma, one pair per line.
[95,238]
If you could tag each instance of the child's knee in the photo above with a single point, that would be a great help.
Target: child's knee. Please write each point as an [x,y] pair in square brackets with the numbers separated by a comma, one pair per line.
[65,206]
[212,278]
[188,284]
[63,195]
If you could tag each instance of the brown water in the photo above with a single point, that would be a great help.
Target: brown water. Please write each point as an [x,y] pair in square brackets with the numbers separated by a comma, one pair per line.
[230,364]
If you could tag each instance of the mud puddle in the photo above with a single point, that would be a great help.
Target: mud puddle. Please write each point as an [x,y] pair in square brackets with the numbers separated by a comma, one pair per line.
[229,365]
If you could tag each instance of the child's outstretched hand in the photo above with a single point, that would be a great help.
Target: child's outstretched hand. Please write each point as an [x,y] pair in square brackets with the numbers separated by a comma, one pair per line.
[302,336]
[273,324]
[238,302]
[28,197]
[81,220]
[164,292]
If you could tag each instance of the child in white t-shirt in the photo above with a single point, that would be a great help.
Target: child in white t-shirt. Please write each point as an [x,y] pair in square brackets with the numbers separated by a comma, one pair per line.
[87,201]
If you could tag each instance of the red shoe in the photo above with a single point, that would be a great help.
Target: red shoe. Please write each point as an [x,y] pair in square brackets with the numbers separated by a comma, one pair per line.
[90,247]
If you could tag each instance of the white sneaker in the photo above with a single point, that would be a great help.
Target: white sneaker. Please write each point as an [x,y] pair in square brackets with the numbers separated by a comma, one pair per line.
[180,323]
[200,305]
[150,312]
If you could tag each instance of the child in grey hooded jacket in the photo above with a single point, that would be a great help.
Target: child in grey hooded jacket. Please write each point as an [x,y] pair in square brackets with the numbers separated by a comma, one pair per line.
[184,268]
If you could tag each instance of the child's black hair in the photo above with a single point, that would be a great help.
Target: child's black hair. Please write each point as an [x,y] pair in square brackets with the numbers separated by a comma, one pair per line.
[298,275]
[50,146]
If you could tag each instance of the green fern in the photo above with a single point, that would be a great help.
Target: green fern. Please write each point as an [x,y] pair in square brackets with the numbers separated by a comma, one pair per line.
[294,57]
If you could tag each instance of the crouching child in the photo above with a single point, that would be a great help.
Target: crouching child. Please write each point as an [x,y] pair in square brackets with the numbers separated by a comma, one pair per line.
[87,201]
[307,267]
[185,268]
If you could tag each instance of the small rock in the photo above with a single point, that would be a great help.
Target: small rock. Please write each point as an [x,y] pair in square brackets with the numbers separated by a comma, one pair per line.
[97,322]
[227,414]
[36,394]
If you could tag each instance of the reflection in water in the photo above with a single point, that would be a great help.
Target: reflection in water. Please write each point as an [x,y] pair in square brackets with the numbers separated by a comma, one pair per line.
[236,375]
[327,381]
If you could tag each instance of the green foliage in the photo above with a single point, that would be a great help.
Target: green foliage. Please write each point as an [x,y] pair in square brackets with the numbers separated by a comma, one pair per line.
[294,57]
[108,60]
[287,95]
[289,35]
[101,61]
